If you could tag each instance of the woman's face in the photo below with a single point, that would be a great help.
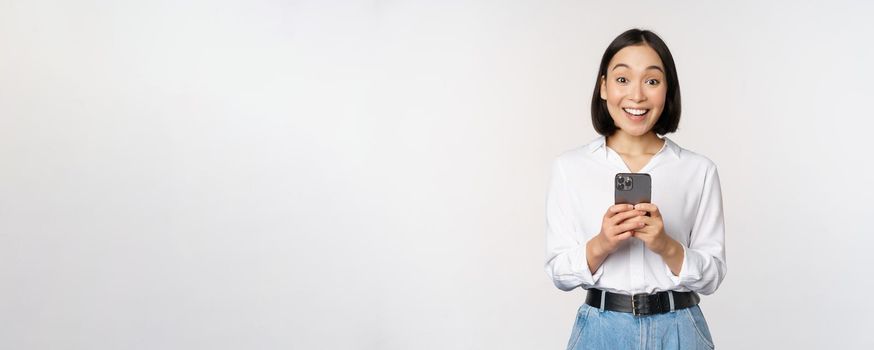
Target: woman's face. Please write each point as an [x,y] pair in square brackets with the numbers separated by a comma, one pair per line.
[635,89]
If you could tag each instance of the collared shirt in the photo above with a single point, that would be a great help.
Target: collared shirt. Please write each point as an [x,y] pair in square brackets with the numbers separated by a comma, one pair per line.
[685,188]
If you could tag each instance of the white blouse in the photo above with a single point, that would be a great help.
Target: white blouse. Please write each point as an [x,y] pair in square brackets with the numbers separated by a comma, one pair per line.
[686,189]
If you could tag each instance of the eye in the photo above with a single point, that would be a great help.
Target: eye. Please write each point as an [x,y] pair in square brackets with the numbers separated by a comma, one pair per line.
[652,81]
[621,80]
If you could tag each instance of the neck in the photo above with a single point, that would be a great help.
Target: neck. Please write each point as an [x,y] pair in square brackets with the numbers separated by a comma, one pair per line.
[625,143]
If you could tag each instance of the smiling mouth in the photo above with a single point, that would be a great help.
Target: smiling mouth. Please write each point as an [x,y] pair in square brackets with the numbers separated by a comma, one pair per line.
[635,112]
[636,115]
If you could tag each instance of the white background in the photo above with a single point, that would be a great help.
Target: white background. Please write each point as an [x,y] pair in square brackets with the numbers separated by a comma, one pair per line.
[372,175]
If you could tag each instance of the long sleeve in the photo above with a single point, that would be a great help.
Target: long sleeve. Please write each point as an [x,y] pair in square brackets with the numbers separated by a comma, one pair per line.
[566,261]
[704,265]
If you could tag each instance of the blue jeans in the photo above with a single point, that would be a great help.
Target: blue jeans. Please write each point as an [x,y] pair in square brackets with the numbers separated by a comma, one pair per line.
[680,329]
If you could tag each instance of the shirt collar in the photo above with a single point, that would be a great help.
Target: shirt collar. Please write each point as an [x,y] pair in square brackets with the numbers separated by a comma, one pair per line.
[600,143]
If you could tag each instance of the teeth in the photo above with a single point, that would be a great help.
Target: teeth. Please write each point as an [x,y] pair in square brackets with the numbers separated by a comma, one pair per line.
[635,111]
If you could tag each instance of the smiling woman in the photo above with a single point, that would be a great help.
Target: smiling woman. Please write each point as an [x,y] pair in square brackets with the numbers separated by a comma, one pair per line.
[642,264]
[637,72]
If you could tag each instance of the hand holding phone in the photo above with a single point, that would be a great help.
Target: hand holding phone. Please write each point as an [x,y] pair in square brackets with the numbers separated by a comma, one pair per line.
[630,189]
[615,227]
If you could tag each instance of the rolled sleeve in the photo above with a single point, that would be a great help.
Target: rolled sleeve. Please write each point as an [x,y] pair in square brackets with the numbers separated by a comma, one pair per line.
[704,265]
[566,260]
[674,278]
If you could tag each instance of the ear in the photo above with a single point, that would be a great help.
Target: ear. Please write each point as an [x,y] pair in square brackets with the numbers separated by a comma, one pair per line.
[603,88]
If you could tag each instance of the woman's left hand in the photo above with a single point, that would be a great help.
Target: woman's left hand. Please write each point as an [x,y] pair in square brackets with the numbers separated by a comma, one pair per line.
[653,234]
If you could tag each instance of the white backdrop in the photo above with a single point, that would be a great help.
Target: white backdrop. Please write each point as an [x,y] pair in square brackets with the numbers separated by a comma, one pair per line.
[372,174]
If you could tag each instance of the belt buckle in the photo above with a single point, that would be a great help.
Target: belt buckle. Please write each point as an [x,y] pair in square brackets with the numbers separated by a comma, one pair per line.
[634,304]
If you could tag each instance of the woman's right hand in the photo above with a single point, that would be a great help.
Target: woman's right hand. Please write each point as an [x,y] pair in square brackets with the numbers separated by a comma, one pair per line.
[614,229]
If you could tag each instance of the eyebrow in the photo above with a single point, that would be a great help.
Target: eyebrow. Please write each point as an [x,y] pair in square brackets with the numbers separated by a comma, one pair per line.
[626,66]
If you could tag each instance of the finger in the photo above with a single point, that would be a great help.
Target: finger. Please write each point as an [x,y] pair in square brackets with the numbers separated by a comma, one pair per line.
[616,209]
[624,235]
[650,208]
[619,218]
[628,226]
[644,206]
[646,220]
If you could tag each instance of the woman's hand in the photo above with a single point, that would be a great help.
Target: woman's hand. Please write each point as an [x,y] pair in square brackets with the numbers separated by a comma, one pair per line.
[617,226]
[653,231]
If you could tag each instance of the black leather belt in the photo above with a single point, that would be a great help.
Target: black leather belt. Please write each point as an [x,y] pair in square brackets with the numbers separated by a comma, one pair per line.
[642,304]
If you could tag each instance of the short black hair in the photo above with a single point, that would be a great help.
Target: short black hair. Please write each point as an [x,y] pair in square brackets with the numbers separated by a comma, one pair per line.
[670,117]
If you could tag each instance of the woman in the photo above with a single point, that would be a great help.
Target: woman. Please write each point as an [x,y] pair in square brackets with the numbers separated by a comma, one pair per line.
[642,265]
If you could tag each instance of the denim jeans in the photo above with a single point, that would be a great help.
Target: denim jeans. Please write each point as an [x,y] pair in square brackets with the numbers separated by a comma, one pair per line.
[680,329]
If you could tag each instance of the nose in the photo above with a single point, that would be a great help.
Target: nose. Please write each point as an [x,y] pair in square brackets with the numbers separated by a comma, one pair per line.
[636,93]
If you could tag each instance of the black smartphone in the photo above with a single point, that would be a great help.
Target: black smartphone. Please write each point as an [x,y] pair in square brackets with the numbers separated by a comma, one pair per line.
[633,188]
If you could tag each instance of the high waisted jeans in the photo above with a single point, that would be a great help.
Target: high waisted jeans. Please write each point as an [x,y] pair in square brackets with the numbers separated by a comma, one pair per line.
[680,329]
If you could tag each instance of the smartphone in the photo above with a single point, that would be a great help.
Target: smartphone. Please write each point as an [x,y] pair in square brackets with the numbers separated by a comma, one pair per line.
[633,188]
